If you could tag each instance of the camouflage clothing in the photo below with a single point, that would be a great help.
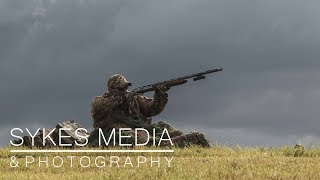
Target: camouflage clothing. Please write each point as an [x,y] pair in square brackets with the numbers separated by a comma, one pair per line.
[120,108]
[110,109]
[117,81]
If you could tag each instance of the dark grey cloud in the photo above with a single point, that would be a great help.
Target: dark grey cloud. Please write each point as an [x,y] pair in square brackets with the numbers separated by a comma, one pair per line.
[55,56]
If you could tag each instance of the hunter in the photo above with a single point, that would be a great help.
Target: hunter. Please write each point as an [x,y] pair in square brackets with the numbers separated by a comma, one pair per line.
[120,108]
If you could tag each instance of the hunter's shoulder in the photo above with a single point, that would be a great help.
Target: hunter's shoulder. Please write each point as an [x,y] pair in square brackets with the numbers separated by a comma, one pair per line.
[98,100]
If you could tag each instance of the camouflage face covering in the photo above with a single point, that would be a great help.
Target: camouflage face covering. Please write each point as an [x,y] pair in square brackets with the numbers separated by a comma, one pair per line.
[118,82]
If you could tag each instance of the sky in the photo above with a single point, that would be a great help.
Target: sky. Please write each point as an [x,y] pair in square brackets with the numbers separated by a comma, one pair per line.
[56,55]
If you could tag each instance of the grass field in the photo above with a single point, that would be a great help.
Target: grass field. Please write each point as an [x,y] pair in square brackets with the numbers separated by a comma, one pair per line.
[190,163]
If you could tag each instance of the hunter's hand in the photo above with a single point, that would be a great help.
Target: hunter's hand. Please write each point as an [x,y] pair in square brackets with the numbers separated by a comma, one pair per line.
[162,88]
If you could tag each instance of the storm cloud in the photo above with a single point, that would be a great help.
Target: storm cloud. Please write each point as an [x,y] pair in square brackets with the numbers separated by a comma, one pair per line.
[56,55]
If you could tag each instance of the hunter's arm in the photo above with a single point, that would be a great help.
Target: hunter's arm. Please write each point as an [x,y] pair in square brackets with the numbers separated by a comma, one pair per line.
[153,106]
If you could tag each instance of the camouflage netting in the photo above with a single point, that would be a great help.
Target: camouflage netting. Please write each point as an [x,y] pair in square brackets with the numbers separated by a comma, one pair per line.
[177,137]
[72,137]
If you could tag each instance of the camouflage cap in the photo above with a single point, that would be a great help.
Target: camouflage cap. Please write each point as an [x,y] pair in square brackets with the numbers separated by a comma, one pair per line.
[118,81]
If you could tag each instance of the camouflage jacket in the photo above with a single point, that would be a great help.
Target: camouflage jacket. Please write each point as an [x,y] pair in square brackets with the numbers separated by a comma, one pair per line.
[112,109]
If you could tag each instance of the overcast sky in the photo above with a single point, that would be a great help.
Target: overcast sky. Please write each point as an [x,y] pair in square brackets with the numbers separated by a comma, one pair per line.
[55,56]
